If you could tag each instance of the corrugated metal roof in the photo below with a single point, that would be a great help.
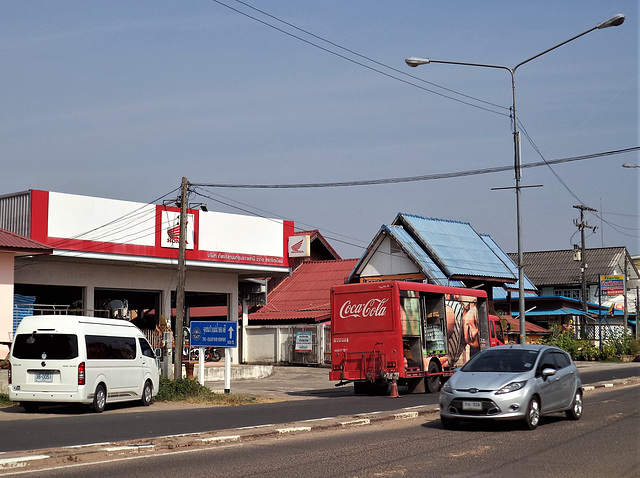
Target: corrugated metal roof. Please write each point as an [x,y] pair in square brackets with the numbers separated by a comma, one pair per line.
[305,294]
[560,311]
[557,268]
[21,245]
[456,247]
[419,256]
[528,285]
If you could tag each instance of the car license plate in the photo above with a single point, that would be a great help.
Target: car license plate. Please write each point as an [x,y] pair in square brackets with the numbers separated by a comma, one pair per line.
[44,377]
[472,406]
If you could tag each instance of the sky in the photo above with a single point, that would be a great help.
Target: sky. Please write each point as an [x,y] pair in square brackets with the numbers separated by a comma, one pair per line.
[122,99]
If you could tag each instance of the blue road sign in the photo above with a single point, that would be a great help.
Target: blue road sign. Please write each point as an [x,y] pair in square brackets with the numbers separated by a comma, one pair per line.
[213,334]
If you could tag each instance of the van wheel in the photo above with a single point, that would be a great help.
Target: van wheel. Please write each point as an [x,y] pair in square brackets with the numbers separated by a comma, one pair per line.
[433,382]
[147,394]
[99,399]
[30,407]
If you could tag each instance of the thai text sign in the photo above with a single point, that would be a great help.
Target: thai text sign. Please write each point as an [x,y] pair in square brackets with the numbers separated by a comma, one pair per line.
[612,284]
[213,334]
[304,342]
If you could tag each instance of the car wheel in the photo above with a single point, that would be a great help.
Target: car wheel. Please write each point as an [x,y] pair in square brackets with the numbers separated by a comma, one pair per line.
[575,412]
[532,418]
[449,423]
[147,394]
[99,399]
[433,382]
[30,407]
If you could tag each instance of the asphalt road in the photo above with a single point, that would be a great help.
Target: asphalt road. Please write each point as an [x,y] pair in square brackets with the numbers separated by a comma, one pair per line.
[306,394]
[603,443]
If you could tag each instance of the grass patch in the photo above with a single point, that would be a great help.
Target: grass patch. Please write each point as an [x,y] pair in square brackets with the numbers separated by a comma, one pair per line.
[190,391]
[4,400]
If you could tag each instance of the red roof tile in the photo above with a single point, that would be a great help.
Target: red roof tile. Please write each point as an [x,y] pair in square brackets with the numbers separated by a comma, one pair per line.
[11,242]
[305,295]
[529,327]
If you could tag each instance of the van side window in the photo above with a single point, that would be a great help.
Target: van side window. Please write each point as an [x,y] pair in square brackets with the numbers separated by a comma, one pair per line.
[107,347]
[146,348]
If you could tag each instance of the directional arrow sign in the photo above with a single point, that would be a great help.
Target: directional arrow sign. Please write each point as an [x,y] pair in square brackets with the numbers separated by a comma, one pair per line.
[214,334]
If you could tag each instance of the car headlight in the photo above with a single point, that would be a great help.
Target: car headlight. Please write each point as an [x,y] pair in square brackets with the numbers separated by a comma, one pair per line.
[511,387]
[447,387]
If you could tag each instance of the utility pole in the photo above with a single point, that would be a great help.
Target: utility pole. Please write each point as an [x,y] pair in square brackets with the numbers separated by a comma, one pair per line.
[583,268]
[182,246]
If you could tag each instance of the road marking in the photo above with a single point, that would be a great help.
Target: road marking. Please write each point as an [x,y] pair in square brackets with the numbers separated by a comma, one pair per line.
[130,447]
[19,461]
[294,429]
[405,415]
[255,426]
[356,423]
[222,439]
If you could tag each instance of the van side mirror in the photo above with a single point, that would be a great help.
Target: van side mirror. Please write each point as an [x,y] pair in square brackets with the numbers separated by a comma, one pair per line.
[158,352]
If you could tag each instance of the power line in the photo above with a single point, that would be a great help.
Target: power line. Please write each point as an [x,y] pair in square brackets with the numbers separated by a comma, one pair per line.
[388,75]
[407,179]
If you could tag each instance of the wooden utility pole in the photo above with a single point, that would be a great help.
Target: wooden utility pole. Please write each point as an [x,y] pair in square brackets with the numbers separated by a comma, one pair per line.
[178,335]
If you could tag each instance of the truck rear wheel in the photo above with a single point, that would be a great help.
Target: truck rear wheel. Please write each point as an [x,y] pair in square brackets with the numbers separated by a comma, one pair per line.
[433,381]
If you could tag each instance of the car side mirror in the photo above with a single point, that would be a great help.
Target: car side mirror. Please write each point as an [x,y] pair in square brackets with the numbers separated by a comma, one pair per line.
[548,372]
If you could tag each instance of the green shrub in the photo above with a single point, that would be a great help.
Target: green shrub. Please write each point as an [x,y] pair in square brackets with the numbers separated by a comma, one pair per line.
[4,400]
[608,350]
[625,344]
[587,351]
[563,339]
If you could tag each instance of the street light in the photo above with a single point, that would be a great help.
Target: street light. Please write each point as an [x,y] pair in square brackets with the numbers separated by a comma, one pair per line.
[614,21]
[629,165]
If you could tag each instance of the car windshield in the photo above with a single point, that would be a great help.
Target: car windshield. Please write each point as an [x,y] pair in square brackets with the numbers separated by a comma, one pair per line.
[502,360]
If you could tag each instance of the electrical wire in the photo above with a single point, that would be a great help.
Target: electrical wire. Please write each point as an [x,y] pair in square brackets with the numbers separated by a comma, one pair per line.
[407,179]
[359,63]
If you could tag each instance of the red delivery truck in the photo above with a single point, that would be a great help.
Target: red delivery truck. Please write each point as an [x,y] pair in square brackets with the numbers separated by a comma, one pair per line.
[412,332]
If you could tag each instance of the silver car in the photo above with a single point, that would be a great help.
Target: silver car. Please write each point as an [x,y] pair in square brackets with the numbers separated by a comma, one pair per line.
[513,382]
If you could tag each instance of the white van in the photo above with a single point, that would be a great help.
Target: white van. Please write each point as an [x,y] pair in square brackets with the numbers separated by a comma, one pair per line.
[74,359]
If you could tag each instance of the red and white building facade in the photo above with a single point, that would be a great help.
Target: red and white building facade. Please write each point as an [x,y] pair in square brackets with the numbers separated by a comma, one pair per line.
[112,249]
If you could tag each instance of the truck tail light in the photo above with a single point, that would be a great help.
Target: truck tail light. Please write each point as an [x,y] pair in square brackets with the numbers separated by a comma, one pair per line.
[9,373]
[81,374]
[391,364]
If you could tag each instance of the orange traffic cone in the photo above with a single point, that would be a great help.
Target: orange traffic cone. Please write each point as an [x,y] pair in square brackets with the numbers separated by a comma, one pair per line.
[394,389]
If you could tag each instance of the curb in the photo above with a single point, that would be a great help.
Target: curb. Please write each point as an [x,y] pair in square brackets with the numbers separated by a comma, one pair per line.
[92,453]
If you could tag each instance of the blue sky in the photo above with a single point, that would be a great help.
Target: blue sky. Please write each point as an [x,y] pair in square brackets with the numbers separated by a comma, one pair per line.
[121,99]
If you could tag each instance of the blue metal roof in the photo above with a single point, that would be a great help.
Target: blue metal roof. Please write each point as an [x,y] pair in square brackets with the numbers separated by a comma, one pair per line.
[528,285]
[501,293]
[419,256]
[455,247]
[560,311]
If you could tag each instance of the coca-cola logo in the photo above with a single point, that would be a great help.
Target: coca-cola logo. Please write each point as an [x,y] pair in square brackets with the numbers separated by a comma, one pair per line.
[370,308]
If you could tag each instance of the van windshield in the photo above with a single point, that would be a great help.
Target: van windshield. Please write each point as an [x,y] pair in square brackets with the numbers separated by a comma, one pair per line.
[45,346]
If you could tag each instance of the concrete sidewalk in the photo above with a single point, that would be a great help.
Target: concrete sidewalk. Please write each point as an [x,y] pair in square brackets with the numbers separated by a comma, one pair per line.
[286,383]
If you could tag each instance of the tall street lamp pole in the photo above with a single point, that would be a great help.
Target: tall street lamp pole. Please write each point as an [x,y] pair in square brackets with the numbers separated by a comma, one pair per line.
[614,21]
